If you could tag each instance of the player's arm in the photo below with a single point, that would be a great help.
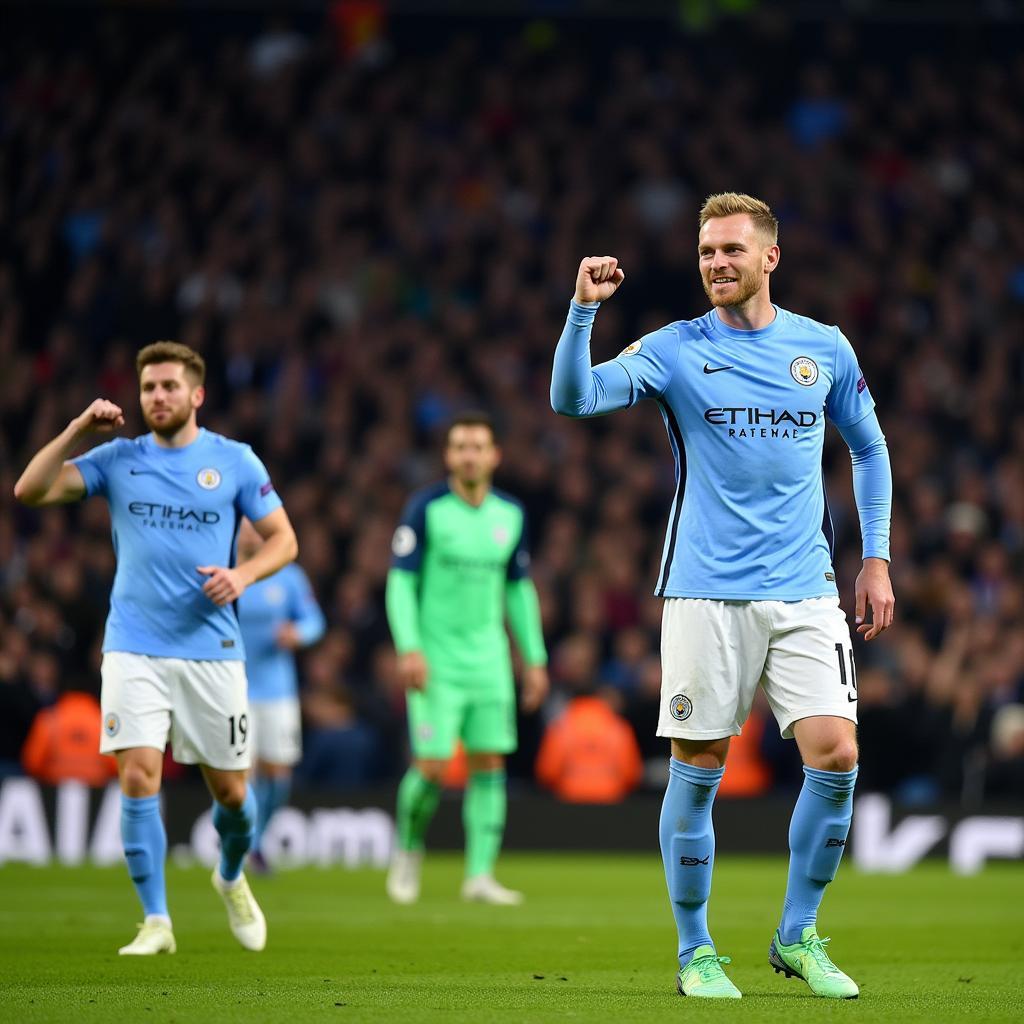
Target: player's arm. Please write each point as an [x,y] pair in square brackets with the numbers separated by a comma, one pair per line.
[49,479]
[401,601]
[872,490]
[523,610]
[401,594]
[578,388]
[306,622]
[279,547]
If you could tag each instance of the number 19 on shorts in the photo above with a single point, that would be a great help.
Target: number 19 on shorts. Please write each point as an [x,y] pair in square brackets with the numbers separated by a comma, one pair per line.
[850,682]
[238,727]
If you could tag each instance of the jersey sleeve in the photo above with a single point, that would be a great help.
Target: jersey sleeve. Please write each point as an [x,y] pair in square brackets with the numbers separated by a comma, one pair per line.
[97,464]
[650,362]
[409,540]
[848,399]
[256,495]
[518,567]
[304,610]
[579,389]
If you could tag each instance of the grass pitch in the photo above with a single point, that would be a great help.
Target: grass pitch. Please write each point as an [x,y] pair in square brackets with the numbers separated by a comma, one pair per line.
[594,942]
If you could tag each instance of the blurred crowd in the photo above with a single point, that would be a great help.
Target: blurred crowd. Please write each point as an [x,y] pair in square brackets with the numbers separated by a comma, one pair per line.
[366,236]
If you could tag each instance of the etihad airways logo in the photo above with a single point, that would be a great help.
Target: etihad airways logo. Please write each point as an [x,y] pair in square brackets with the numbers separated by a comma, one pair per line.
[172,517]
[749,422]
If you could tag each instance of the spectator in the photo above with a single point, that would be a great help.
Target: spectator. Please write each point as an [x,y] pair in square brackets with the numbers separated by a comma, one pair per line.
[64,741]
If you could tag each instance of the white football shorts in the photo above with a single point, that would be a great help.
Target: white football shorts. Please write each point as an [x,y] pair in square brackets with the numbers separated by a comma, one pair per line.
[202,706]
[714,654]
[276,730]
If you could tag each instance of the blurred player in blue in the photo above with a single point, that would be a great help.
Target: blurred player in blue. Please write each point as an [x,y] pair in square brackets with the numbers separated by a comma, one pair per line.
[279,615]
[747,572]
[173,660]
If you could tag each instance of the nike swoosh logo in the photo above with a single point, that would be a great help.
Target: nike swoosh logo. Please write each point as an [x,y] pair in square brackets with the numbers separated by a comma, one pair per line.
[137,472]
[717,369]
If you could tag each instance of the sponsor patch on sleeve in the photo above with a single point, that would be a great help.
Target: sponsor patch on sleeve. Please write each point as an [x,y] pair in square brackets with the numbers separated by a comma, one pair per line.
[266,489]
[861,385]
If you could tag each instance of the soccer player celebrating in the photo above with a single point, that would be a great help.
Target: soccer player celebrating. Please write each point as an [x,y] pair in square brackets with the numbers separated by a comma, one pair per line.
[172,650]
[459,565]
[747,568]
[279,615]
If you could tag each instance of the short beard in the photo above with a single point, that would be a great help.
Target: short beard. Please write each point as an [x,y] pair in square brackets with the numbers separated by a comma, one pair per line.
[747,287]
[170,427]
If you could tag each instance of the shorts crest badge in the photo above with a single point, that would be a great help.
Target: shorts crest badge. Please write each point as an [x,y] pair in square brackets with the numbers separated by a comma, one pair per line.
[111,724]
[804,370]
[208,479]
[681,707]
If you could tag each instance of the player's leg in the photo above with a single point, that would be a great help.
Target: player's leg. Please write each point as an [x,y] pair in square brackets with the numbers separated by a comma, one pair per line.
[433,727]
[489,733]
[712,653]
[811,684]
[136,721]
[144,839]
[234,817]
[687,836]
[277,739]
[211,728]
[272,785]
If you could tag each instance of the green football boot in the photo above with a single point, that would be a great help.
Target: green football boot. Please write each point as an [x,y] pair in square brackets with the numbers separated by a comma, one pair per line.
[703,976]
[808,960]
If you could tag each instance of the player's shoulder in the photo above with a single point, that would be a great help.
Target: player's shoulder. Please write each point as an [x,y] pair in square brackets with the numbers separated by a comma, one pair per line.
[683,332]
[227,446]
[509,499]
[124,445]
[118,450]
[806,327]
[426,495]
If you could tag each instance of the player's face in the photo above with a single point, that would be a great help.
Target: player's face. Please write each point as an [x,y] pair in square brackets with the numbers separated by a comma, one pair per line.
[471,455]
[735,259]
[168,397]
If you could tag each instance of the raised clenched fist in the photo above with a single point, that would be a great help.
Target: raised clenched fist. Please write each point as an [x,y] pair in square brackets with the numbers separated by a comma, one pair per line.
[598,279]
[102,417]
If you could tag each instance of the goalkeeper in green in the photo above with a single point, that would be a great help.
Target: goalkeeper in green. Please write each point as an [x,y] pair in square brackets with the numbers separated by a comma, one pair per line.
[459,566]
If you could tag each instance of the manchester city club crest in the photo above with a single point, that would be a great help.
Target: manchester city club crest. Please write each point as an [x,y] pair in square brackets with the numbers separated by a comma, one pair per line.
[631,350]
[208,479]
[681,707]
[111,724]
[804,370]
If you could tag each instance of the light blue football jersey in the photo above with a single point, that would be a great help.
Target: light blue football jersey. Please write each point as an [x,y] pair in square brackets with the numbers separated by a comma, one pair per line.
[171,510]
[745,415]
[287,596]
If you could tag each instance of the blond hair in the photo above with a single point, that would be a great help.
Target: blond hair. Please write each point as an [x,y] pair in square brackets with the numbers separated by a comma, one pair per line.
[172,352]
[726,204]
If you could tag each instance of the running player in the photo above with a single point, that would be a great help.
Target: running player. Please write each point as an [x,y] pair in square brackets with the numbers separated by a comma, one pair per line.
[459,566]
[173,660]
[747,570]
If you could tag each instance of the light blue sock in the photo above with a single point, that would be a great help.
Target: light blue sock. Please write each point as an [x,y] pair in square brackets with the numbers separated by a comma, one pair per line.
[145,848]
[817,838]
[236,830]
[271,793]
[688,850]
